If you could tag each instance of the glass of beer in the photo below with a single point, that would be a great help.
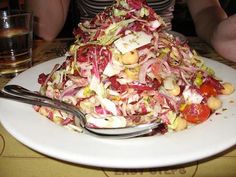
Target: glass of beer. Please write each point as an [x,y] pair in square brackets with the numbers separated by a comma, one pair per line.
[16,37]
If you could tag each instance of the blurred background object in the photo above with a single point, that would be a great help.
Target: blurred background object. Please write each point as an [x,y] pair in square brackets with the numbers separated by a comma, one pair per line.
[182,21]
[11,4]
[177,17]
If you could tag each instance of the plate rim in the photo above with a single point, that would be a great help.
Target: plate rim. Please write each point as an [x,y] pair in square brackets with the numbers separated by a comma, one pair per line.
[94,159]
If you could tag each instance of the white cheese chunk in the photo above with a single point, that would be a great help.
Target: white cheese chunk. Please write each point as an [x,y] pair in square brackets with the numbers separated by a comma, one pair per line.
[106,121]
[132,41]
[191,96]
[108,105]
[155,24]
[112,69]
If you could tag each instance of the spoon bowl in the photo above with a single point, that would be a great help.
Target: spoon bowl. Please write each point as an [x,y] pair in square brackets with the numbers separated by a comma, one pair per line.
[21,94]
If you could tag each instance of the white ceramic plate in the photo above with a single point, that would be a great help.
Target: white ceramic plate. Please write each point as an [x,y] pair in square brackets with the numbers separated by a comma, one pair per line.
[204,140]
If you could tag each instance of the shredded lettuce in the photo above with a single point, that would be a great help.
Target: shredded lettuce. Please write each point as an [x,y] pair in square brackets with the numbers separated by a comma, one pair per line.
[144,12]
[111,32]
[119,13]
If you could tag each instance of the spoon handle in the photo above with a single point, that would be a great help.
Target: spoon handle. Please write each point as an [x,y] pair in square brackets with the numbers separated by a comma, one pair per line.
[22,99]
[18,93]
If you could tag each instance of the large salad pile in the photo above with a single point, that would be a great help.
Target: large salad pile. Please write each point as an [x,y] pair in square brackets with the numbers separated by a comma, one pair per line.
[125,70]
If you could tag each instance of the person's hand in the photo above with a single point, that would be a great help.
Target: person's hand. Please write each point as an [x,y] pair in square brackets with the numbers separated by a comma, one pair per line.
[224,38]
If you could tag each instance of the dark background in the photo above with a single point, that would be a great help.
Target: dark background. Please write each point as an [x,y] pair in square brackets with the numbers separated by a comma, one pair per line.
[182,21]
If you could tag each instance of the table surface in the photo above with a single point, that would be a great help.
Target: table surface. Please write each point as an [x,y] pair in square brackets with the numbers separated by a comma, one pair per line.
[17,160]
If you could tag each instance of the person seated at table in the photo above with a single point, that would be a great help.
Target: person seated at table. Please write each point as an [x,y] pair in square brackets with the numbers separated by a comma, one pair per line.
[211,22]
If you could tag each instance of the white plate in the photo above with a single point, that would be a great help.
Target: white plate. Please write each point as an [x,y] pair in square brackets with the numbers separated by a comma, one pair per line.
[204,140]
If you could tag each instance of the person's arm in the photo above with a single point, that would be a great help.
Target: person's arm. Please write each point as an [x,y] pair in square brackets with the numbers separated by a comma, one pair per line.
[206,14]
[50,16]
[214,26]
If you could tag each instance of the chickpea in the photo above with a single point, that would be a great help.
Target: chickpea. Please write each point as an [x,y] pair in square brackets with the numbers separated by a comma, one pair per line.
[214,103]
[57,119]
[130,57]
[175,91]
[43,111]
[181,124]
[132,73]
[228,88]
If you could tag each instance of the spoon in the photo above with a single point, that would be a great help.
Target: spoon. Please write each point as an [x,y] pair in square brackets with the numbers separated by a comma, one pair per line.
[20,94]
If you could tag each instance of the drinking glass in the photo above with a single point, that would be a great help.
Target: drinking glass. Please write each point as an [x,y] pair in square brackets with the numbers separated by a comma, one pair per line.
[16,37]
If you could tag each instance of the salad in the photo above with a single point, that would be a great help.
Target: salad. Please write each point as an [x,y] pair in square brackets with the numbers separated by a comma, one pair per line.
[125,70]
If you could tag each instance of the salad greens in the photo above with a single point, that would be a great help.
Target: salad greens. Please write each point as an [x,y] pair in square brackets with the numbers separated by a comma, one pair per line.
[125,70]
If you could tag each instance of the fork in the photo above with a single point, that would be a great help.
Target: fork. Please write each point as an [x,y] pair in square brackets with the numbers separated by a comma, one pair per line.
[20,94]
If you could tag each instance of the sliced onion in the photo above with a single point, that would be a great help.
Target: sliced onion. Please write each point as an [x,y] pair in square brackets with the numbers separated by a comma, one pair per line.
[143,70]
[69,91]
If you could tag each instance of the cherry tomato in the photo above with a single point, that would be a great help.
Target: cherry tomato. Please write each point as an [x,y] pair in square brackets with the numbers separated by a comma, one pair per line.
[196,113]
[211,87]
[208,90]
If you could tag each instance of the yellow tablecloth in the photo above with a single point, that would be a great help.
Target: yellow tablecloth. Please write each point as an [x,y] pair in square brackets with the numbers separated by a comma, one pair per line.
[17,160]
